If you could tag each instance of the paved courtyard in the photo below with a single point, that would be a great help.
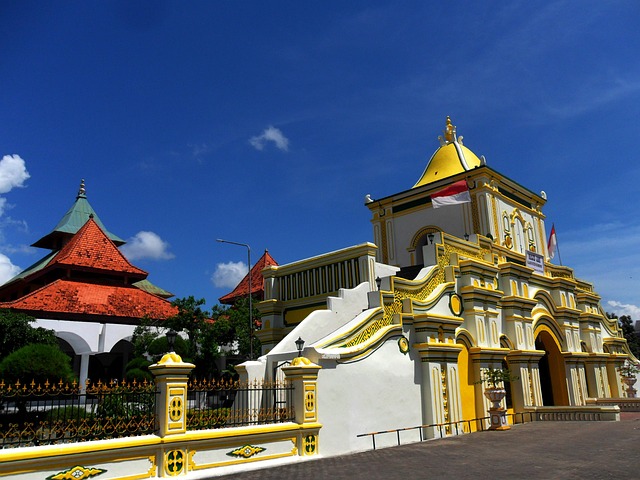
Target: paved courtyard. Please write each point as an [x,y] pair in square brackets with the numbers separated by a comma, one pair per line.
[539,450]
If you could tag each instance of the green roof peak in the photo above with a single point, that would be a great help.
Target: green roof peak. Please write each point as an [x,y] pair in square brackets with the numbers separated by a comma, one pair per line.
[72,221]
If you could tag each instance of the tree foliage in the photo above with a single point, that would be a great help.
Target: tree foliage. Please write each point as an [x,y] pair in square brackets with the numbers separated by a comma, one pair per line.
[16,332]
[629,332]
[37,362]
[204,335]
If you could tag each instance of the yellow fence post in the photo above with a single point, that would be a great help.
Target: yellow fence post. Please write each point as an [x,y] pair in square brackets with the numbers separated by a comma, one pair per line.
[303,374]
[171,376]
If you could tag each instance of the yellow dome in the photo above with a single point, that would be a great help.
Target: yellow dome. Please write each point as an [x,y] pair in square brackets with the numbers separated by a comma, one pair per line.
[450,159]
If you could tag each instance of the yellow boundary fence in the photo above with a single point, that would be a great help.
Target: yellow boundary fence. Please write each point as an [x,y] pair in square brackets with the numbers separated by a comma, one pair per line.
[173,450]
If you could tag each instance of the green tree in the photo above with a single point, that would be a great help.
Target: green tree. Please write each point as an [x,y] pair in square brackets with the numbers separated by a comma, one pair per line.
[630,334]
[208,334]
[239,330]
[16,332]
[191,319]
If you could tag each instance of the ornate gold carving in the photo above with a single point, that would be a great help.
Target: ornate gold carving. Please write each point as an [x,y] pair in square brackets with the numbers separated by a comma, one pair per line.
[418,293]
[170,358]
[449,130]
[300,361]
[175,409]
[403,345]
[533,398]
[474,213]
[77,473]
[383,240]
[309,401]
[247,451]
[174,462]
[445,398]
[494,214]
[310,444]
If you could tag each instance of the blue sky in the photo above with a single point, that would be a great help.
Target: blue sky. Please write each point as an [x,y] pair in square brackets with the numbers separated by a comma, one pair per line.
[267,122]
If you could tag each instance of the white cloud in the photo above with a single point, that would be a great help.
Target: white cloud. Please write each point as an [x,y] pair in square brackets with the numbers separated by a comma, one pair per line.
[146,245]
[13,173]
[229,275]
[621,309]
[270,134]
[7,269]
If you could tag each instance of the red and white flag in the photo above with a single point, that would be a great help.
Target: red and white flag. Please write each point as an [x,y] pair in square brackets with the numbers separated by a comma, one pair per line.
[454,194]
[552,244]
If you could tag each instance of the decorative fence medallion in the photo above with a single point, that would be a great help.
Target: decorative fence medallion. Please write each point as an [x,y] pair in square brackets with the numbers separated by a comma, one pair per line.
[175,409]
[174,462]
[403,345]
[246,452]
[309,401]
[76,473]
[310,444]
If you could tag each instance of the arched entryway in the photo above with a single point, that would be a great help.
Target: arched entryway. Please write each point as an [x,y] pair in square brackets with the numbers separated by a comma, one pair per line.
[552,369]
[108,366]
[467,382]
[422,237]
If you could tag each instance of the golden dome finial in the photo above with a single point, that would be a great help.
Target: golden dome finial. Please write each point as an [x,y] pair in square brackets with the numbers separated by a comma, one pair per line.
[449,131]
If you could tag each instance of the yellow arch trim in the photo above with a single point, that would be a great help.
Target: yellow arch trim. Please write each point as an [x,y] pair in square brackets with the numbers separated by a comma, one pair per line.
[464,337]
[421,233]
[508,341]
[549,326]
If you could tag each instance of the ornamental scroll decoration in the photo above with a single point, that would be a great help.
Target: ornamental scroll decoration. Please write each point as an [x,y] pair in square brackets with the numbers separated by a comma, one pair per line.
[419,293]
[77,473]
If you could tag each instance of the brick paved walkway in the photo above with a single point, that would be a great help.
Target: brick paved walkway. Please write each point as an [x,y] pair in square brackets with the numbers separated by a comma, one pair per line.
[539,450]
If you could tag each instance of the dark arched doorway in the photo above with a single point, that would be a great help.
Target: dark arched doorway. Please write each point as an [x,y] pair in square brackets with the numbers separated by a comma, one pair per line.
[552,371]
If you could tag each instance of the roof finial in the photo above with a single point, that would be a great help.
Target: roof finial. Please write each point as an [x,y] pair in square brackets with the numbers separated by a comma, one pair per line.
[82,192]
[449,131]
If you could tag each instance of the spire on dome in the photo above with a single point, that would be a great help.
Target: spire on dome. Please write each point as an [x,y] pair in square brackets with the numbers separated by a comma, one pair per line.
[82,193]
[72,221]
[449,131]
[450,159]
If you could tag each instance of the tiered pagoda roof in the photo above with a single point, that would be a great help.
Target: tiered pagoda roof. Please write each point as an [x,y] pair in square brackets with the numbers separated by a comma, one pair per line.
[85,277]
[257,282]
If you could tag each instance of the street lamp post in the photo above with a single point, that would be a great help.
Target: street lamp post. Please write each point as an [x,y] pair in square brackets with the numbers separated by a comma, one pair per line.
[250,301]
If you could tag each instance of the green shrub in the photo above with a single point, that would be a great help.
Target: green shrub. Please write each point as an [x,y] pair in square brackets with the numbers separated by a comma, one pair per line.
[160,346]
[37,362]
[138,370]
[64,414]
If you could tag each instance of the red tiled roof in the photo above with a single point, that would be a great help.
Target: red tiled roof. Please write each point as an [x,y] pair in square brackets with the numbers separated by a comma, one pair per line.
[91,248]
[257,281]
[72,300]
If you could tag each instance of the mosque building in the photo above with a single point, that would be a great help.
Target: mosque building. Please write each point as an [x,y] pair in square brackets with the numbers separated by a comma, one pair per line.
[87,292]
[457,281]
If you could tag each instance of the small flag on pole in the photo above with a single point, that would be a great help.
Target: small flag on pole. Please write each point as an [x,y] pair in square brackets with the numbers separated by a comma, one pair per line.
[454,194]
[552,245]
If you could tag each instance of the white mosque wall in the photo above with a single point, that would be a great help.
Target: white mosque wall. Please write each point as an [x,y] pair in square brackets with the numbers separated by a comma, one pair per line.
[451,219]
[320,323]
[379,392]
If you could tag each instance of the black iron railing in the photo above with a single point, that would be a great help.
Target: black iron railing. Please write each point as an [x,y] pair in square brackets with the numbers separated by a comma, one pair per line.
[220,403]
[52,413]
[442,430]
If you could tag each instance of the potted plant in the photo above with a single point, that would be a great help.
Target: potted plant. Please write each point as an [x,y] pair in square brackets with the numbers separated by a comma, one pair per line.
[495,378]
[495,392]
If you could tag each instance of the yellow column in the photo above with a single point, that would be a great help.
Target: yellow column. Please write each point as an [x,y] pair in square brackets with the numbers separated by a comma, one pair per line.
[303,374]
[171,375]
